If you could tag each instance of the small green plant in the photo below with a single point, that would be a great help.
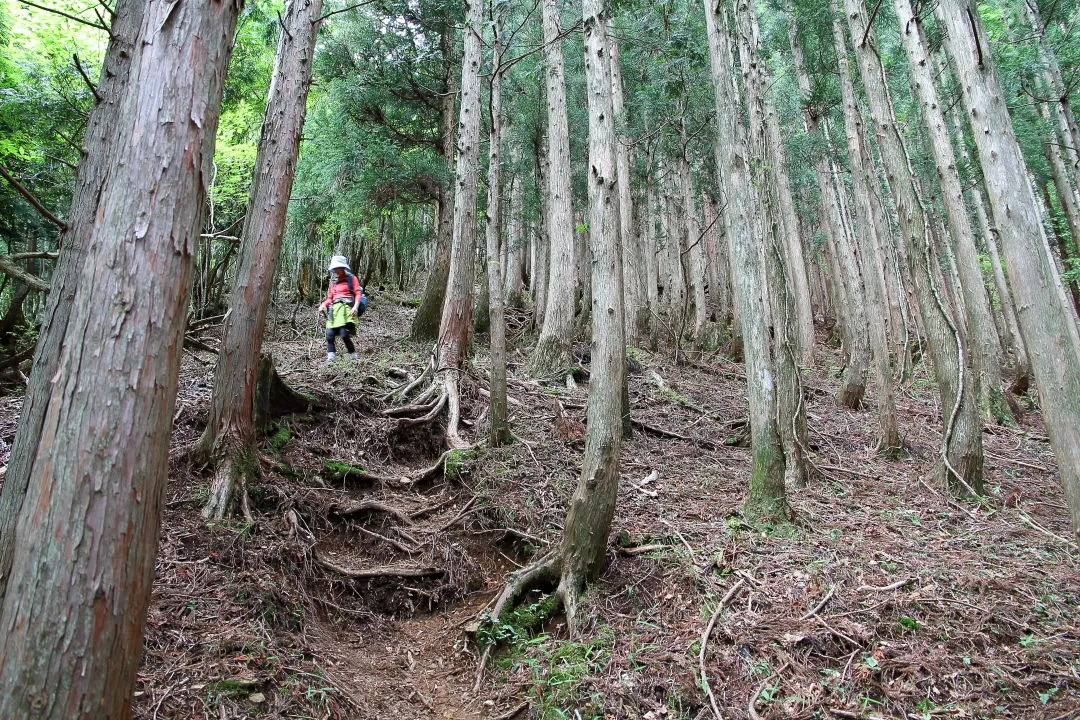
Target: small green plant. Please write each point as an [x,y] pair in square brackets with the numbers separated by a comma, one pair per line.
[341,469]
[280,437]
[908,623]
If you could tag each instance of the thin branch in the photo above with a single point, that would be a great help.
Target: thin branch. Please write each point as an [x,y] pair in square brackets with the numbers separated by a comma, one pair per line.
[515,60]
[86,78]
[76,18]
[32,200]
[343,10]
[870,23]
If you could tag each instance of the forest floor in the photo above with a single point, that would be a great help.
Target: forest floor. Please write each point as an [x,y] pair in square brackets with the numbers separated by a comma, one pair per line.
[882,598]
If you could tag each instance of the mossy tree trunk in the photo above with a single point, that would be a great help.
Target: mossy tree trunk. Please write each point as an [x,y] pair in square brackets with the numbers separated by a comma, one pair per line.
[767,498]
[588,518]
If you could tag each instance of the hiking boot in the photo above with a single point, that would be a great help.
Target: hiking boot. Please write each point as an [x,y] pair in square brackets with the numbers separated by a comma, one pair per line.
[330,357]
[356,356]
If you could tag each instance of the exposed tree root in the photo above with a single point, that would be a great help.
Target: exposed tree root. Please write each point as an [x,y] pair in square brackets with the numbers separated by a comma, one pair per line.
[441,392]
[359,507]
[229,484]
[377,572]
[539,573]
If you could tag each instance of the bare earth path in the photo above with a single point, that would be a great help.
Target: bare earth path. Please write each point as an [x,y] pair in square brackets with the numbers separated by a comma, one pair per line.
[883,598]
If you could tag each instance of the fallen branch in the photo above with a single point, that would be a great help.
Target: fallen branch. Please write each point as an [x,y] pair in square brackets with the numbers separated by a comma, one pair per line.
[1021,463]
[1036,526]
[856,473]
[817,608]
[193,344]
[357,474]
[390,541]
[375,572]
[705,644]
[641,549]
[886,588]
[673,435]
[16,359]
[513,712]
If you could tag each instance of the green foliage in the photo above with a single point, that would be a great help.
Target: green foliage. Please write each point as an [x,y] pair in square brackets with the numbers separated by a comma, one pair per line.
[341,469]
[280,437]
[459,463]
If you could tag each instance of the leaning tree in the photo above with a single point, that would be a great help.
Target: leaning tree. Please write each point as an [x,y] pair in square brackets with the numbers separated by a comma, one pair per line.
[86,538]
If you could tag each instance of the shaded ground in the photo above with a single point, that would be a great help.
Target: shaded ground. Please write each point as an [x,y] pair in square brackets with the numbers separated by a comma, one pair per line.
[883,598]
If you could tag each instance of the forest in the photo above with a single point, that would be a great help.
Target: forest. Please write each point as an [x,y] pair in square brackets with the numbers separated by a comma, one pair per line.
[549,359]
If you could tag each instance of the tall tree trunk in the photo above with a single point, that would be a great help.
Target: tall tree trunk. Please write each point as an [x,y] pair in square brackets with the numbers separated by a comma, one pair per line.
[767,498]
[633,269]
[85,542]
[98,143]
[1046,324]
[425,323]
[515,244]
[780,260]
[650,248]
[870,266]
[1070,208]
[986,362]
[541,239]
[552,353]
[500,428]
[791,236]
[229,437]
[1068,132]
[962,454]
[588,518]
[457,308]
[691,258]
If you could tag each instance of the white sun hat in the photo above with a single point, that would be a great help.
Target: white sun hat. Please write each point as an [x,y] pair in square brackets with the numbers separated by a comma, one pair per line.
[338,261]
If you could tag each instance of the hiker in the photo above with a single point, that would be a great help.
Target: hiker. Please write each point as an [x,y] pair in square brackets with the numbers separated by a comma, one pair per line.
[345,302]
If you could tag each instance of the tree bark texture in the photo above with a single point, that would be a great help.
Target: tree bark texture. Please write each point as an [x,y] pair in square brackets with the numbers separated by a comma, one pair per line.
[986,362]
[634,267]
[85,542]
[98,142]
[588,518]
[870,304]
[791,236]
[230,427]
[1046,323]
[425,324]
[552,353]
[962,455]
[780,261]
[500,429]
[767,496]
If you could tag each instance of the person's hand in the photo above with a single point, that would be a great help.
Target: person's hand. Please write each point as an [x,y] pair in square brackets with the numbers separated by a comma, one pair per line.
[352,313]
[322,310]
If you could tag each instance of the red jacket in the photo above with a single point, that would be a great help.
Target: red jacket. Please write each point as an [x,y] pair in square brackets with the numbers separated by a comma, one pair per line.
[347,288]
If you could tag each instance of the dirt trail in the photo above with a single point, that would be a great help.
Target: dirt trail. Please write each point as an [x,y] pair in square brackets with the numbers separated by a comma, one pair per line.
[419,667]
[922,606]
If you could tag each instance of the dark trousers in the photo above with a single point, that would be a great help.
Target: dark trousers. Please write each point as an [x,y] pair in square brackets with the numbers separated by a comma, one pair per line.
[344,332]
